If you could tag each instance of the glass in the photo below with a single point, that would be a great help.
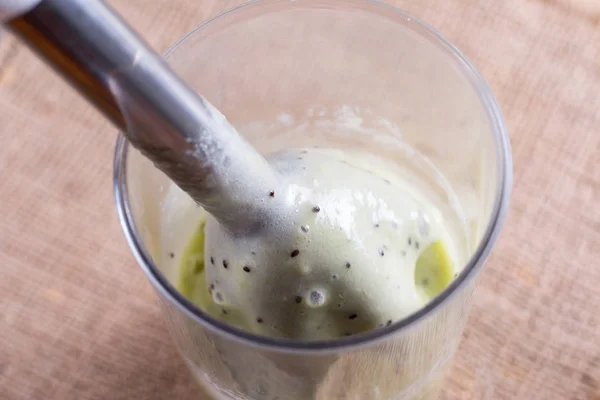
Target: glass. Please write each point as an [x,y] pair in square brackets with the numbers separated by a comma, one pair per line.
[343,74]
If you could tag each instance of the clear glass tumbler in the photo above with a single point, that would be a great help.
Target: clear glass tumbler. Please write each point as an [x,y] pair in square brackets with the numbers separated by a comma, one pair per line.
[343,74]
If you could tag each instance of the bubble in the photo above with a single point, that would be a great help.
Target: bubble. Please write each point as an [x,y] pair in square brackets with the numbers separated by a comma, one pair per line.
[316,298]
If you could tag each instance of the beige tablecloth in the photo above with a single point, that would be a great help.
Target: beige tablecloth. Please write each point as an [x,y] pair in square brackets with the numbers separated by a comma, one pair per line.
[78,320]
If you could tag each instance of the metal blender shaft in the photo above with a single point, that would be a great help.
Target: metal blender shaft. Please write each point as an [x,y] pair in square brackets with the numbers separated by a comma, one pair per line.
[95,50]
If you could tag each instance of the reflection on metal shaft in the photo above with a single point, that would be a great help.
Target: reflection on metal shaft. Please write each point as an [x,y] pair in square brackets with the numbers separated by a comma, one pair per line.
[92,48]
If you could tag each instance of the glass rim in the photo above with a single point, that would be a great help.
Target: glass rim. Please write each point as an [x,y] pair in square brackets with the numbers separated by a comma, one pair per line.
[473,265]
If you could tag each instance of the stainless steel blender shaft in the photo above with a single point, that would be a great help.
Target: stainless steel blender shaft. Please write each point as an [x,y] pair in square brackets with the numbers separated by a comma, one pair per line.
[95,50]
[88,44]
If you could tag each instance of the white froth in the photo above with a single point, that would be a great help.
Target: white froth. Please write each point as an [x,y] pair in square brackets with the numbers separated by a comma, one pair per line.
[340,245]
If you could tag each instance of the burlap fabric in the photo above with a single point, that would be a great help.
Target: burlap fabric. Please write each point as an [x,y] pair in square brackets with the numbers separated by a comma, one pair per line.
[78,320]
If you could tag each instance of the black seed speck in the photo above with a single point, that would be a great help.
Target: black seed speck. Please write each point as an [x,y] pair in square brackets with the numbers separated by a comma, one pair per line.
[224,311]
[212,260]
[225,264]
[381,252]
[316,209]
[425,282]
[352,316]
[272,193]
[219,296]
[212,286]
[246,268]
[347,334]
[295,253]
[348,265]
[409,241]
[259,320]
[334,276]
[376,225]
[388,323]
[253,253]
[417,245]
[298,299]
[172,255]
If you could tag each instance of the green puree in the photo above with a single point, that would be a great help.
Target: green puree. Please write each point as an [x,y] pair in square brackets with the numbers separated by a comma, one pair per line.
[433,273]
[192,264]
[192,280]
[434,270]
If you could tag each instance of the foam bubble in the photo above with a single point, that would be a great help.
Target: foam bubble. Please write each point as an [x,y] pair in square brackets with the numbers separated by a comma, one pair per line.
[317,297]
